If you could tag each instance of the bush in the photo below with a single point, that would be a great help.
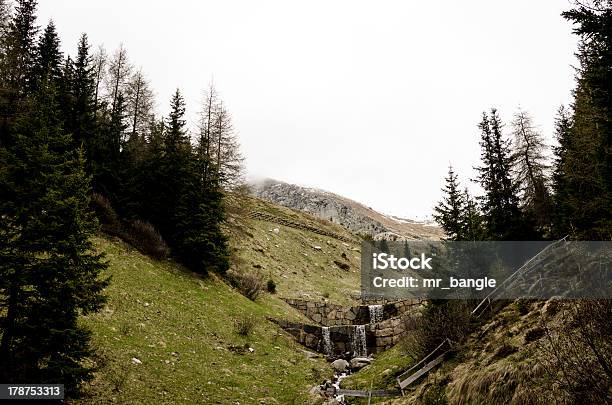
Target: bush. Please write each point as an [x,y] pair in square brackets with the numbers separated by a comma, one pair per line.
[343,266]
[144,237]
[244,326]
[576,350]
[523,306]
[534,334]
[108,218]
[249,284]
[440,320]
[271,286]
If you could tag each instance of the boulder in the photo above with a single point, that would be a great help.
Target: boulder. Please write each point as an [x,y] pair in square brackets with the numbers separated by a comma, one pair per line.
[340,365]
[360,362]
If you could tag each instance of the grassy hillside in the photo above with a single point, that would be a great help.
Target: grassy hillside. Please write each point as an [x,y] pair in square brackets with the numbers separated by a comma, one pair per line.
[182,329]
[497,363]
[301,263]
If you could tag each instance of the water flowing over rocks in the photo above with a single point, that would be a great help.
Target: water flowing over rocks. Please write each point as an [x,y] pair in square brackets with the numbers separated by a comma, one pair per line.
[357,337]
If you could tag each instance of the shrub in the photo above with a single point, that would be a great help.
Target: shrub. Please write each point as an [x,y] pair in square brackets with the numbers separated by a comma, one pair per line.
[108,218]
[440,320]
[271,286]
[576,350]
[522,306]
[534,334]
[144,237]
[244,326]
[249,284]
[504,351]
[343,266]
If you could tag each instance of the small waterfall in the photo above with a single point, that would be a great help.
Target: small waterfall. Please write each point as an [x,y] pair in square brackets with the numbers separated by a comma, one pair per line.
[376,313]
[360,347]
[328,346]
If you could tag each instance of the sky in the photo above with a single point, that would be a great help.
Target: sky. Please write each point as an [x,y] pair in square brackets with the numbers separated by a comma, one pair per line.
[370,100]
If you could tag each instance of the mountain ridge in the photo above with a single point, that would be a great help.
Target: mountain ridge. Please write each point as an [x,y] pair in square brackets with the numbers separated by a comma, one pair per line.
[344,211]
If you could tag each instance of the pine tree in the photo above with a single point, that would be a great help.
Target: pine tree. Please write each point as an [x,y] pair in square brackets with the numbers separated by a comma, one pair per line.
[504,220]
[473,227]
[587,169]
[21,48]
[83,124]
[48,56]
[449,211]
[49,272]
[176,140]
[17,65]
[562,209]
[170,169]
[106,156]
[200,242]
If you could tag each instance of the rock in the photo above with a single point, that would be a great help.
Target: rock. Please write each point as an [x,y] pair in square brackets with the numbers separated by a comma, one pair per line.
[276,230]
[251,350]
[136,361]
[360,362]
[332,401]
[311,355]
[387,372]
[317,247]
[340,365]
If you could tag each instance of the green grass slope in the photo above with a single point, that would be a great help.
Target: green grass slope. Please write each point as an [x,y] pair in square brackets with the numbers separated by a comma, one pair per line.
[301,263]
[182,329]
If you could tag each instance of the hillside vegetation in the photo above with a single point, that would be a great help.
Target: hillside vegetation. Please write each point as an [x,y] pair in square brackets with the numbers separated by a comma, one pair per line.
[303,264]
[183,330]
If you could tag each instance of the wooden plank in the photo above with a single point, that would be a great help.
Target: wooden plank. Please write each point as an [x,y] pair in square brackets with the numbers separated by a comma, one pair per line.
[423,371]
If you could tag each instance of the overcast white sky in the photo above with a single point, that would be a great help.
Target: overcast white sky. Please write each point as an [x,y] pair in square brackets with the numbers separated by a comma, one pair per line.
[371,100]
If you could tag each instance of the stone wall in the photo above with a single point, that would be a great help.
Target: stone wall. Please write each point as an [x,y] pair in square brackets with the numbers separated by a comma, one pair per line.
[328,314]
[379,336]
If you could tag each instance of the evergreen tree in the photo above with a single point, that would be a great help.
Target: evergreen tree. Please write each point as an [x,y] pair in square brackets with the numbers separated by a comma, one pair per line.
[170,171]
[48,56]
[562,209]
[176,140]
[17,65]
[82,123]
[586,195]
[106,154]
[503,218]
[449,211]
[49,272]
[21,48]
[472,222]
[200,242]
